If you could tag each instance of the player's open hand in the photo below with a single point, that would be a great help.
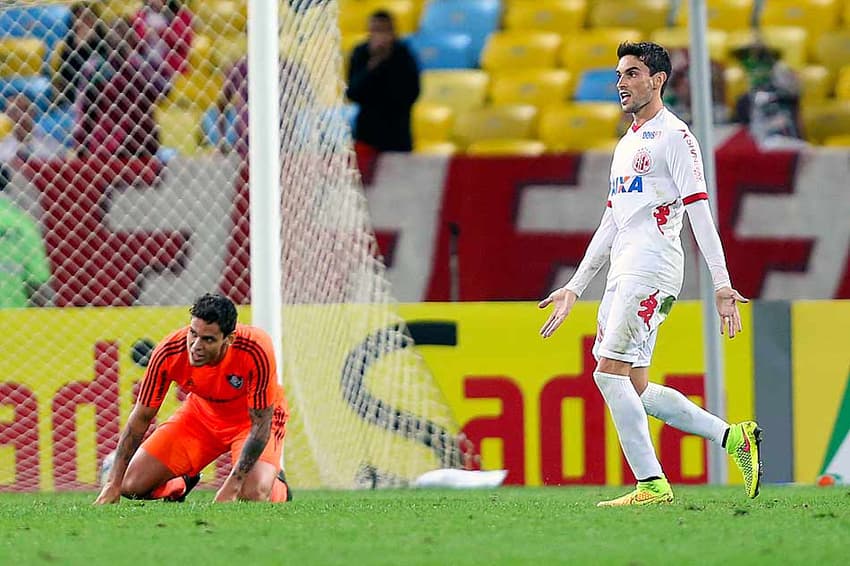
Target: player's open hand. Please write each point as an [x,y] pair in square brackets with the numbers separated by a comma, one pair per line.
[228,492]
[563,299]
[109,494]
[727,300]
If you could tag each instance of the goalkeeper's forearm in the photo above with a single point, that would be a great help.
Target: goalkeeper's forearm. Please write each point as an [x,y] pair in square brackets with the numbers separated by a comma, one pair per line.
[261,426]
[130,440]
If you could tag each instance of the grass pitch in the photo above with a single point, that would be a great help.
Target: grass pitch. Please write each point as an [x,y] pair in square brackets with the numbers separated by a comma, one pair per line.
[541,526]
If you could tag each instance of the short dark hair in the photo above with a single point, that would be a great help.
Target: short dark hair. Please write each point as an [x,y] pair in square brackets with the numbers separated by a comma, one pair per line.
[216,308]
[383,15]
[650,54]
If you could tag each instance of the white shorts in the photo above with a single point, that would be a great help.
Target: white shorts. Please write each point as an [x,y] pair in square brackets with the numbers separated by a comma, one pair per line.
[628,320]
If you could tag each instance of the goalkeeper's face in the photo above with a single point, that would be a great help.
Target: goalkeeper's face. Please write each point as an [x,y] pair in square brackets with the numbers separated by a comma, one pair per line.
[206,343]
[635,85]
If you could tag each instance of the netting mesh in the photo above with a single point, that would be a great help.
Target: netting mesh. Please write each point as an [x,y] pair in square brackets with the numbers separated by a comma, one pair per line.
[125,186]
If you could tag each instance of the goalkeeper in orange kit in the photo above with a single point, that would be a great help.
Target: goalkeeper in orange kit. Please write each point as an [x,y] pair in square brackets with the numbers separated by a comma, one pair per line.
[235,405]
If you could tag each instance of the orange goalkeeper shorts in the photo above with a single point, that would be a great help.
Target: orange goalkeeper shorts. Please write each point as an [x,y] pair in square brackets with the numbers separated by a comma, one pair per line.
[188,442]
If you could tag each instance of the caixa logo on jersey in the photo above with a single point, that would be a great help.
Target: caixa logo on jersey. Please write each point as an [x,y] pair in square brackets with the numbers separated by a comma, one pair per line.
[627,184]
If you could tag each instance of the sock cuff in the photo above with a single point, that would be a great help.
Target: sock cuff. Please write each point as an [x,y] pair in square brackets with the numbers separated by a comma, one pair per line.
[601,374]
[650,397]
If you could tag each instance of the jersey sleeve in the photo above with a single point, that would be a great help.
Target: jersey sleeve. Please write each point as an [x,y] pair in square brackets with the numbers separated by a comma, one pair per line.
[262,386]
[157,375]
[685,162]
[598,252]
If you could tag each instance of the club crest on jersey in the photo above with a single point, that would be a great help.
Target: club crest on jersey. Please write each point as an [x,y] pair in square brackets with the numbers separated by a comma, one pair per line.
[234,380]
[642,162]
[627,184]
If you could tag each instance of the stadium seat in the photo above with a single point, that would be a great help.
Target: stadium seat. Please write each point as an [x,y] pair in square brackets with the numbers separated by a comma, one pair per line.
[403,13]
[559,16]
[47,23]
[211,134]
[201,53]
[21,56]
[538,87]
[457,89]
[494,122]
[442,50]
[594,49]
[790,41]
[736,84]
[221,17]
[431,122]
[126,8]
[580,126]
[229,49]
[597,85]
[815,83]
[179,128]
[6,125]
[832,49]
[680,37]
[842,84]
[837,141]
[477,18]
[520,50]
[724,15]
[354,14]
[821,121]
[643,15]
[814,16]
[506,147]
[196,89]
[434,148]
[37,89]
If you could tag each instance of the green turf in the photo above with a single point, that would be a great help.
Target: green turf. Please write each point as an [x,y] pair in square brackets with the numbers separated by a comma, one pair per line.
[541,526]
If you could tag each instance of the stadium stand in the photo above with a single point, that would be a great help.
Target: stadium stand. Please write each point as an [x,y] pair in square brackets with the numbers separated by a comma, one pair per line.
[538,87]
[580,126]
[477,18]
[643,15]
[431,123]
[438,50]
[458,89]
[559,16]
[520,50]
[726,15]
[593,49]
[597,85]
[519,147]
[495,122]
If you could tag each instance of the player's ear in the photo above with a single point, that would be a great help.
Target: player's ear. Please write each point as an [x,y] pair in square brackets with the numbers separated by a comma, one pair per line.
[658,79]
[230,338]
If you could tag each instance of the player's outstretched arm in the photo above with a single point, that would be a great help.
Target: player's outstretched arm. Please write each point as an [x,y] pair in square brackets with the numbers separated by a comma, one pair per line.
[563,299]
[131,438]
[727,300]
[258,437]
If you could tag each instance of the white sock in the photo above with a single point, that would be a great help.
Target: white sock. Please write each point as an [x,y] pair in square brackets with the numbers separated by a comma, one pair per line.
[670,406]
[631,423]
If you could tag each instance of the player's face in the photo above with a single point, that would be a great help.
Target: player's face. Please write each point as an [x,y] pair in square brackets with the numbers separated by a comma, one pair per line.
[635,85]
[206,343]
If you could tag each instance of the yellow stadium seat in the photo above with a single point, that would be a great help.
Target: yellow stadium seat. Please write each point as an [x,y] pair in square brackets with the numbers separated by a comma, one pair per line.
[837,141]
[559,16]
[814,16]
[538,87]
[673,38]
[431,122]
[112,9]
[434,148]
[354,14]
[822,121]
[6,125]
[737,83]
[221,17]
[458,89]
[832,49]
[229,49]
[201,53]
[725,15]
[520,50]
[580,126]
[643,15]
[509,121]
[815,83]
[499,146]
[594,49]
[196,90]
[21,56]
[179,128]
[789,41]
[842,84]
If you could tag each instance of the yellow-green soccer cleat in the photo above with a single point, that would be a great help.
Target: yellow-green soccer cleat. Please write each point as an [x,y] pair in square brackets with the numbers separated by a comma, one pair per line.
[743,444]
[647,493]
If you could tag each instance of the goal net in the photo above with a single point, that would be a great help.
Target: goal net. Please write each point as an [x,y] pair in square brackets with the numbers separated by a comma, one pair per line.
[124,144]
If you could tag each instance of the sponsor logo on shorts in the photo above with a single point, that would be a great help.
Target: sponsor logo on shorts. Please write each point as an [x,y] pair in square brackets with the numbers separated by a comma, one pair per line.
[649,305]
[234,380]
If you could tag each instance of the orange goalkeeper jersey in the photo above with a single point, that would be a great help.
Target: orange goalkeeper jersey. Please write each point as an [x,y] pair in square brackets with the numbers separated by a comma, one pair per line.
[246,378]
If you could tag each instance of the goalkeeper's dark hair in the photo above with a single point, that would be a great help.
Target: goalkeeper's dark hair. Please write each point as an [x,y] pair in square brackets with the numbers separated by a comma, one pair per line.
[383,15]
[650,54]
[216,308]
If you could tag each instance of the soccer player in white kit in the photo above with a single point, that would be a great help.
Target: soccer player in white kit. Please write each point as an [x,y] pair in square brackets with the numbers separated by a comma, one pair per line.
[656,176]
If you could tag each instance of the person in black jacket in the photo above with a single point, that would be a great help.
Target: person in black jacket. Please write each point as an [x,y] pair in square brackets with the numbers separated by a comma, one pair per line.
[383,79]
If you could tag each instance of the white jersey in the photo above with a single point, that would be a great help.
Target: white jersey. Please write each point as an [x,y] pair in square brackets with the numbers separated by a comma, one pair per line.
[656,171]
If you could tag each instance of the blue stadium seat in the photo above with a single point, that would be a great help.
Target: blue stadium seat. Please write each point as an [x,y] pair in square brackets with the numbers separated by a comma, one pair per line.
[442,50]
[597,85]
[210,134]
[37,89]
[58,122]
[478,18]
[47,23]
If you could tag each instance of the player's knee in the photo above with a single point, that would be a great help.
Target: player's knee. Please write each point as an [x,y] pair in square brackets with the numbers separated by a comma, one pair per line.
[255,491]
[132,488]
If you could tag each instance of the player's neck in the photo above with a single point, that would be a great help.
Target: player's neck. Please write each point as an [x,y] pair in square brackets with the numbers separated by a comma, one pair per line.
[646,113]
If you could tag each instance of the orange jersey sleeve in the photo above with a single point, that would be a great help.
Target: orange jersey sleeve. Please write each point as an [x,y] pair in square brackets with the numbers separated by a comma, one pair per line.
[258,358]
[158,376]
